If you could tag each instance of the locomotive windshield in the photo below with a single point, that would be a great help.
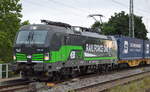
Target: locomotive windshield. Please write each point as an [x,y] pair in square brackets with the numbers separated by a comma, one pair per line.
[31,37]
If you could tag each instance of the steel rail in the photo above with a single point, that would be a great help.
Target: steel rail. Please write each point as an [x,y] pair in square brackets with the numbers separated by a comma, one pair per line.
[12,85]
[97,83]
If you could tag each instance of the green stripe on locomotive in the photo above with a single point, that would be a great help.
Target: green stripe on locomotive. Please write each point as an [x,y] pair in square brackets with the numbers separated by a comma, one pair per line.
[63,54]
[21,57]
[35,57]
[99,58]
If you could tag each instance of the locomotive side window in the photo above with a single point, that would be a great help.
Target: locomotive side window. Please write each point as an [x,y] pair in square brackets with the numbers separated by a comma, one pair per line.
[66,40]
[74,40]
[56,41]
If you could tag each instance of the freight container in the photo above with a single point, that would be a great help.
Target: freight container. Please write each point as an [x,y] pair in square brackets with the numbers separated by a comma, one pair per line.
[129,48]
[147,49]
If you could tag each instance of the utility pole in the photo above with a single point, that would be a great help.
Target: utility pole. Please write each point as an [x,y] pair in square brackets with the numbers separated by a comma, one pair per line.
[131,20]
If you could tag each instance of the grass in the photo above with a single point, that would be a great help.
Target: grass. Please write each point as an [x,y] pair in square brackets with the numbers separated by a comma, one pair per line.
[135,86]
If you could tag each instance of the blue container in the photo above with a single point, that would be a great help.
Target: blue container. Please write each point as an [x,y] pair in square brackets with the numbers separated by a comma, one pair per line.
[129,48]
[146,49]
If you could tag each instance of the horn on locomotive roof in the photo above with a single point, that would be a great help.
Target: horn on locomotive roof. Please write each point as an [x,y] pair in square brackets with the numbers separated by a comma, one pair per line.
[60,24]
[81,28]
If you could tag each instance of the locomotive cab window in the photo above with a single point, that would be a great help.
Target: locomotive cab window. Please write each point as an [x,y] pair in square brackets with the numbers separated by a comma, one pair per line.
[31,37]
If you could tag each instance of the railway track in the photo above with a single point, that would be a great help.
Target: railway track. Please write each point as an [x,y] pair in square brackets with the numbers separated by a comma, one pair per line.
[87,83]
[100,87]
[13,85]
[98,83]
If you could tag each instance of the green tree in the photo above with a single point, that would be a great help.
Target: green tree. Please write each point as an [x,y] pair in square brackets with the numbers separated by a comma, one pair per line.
[119,25]
[5,47]
[25,23]
[10,22]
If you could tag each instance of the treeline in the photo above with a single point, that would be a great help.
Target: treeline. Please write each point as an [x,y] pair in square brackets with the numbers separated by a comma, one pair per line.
[10,22]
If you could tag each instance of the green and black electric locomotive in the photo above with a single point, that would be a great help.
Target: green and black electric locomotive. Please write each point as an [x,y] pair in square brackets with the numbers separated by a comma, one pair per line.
[53,49]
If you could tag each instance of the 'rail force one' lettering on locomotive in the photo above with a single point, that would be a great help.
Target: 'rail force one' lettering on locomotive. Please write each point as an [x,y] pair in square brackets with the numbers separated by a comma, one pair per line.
[96,48]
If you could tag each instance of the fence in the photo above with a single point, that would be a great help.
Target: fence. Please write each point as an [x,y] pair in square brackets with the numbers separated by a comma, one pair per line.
[5,71]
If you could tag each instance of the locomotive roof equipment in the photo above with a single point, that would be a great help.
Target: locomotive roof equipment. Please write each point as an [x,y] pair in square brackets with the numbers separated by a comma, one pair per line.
[48,22]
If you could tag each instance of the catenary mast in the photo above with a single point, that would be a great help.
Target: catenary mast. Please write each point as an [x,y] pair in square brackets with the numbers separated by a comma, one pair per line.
[131,20]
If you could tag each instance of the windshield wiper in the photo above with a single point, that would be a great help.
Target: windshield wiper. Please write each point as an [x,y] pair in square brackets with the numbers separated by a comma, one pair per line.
[29,37]
[32,40]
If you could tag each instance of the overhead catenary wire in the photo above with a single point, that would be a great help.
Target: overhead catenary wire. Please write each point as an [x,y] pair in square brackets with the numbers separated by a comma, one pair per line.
[138,10]
[52,8]
[124,5]
[69,6]
[147,3]
[118,3]
[75,11]
[147,18]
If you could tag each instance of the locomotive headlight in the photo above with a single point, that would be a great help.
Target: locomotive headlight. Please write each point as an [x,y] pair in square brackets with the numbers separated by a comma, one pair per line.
[46,57]
[14,57]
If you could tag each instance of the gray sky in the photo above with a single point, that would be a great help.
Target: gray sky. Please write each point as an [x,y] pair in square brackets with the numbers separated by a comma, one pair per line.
[75,12]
